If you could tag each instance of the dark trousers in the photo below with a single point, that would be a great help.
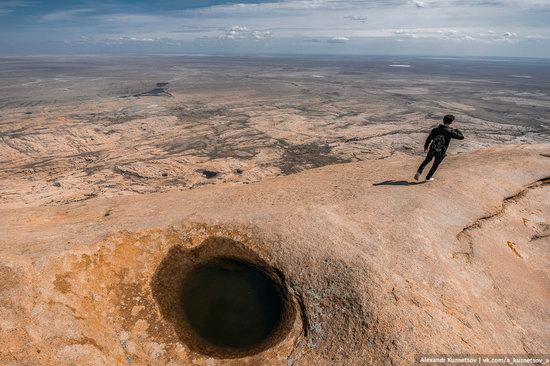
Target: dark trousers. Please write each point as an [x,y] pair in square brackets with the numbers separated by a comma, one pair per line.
[429,157]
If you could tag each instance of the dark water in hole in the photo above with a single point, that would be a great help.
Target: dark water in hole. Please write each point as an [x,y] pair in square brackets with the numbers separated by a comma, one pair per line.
[209,174]
[231,304]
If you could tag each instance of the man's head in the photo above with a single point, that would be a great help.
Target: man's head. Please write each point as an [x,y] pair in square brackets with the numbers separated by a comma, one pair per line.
[448,119]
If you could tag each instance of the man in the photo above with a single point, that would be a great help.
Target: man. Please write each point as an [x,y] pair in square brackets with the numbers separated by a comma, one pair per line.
[437,144]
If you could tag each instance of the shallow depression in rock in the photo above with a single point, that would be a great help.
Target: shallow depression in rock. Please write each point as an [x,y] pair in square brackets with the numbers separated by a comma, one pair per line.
[232,304]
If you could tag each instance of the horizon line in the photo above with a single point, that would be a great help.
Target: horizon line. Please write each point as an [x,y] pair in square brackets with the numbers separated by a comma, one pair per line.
[275,54]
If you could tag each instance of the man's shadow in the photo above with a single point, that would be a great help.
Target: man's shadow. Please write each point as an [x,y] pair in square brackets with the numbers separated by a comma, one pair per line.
[397,183]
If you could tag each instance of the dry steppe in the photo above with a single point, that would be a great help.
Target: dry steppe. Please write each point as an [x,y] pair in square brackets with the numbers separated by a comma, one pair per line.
[75,128]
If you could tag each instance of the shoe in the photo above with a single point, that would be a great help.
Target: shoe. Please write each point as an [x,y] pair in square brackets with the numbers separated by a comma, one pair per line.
[417,176]
[430,180]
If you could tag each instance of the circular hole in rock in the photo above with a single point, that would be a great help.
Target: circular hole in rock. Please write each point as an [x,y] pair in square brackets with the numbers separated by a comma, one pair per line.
[232,305]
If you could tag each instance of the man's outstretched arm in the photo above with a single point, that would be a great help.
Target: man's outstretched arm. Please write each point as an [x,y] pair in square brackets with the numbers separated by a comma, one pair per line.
[456,134]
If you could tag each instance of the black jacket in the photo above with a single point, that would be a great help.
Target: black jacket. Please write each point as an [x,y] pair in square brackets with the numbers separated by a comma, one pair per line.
[448,132]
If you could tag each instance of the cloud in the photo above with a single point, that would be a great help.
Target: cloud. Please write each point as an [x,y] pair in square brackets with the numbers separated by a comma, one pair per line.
[466,38]
[291,5]
[130,18]
[486,36]
[123,40]
[491,36]
[358,18]
[80,40]
[114,40]
[419,4]
[338,40]
[240,32]
[120,40]
[65,14]
[7,6]
[446,33]
[405,33]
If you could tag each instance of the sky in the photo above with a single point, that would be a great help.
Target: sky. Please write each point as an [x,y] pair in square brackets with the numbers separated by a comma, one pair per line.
[492,28]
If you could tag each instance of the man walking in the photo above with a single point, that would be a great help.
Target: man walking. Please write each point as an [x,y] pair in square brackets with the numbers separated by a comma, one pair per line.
[437,144]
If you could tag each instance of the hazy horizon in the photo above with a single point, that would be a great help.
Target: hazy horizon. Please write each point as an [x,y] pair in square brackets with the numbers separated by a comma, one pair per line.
[312,56]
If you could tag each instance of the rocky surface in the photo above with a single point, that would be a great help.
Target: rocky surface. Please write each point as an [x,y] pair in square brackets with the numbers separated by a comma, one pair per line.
[119,175]
[377,269]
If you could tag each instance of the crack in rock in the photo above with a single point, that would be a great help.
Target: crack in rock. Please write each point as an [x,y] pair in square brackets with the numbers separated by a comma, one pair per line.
[465,234]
